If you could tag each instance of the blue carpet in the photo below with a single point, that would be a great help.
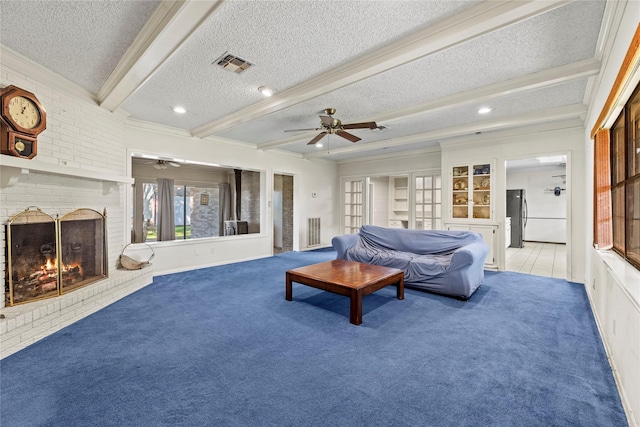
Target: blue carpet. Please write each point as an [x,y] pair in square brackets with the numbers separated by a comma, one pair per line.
[222,347]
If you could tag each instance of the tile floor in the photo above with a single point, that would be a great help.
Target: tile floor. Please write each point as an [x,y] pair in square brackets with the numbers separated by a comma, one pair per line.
[541,259]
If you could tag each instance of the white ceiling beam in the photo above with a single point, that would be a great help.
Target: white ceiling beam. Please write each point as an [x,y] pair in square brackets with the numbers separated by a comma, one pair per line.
[563,74]
[558,113]
[169,27]
[483,18]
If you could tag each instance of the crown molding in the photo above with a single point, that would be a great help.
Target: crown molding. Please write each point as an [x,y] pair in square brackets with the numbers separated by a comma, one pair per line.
[157,128]
[23,66]
[486,17]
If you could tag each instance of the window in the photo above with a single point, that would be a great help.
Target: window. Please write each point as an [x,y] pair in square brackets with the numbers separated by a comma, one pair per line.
[196,211]
[208,200]
[625,180]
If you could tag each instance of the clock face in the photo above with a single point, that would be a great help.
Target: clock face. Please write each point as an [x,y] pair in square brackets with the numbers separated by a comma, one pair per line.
[24,112]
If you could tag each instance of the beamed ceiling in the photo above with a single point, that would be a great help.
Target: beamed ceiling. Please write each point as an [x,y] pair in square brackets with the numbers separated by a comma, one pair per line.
[419,69]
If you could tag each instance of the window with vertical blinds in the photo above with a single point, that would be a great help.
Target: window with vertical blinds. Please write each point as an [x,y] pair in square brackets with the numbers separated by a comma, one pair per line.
[625,180]
[617,165]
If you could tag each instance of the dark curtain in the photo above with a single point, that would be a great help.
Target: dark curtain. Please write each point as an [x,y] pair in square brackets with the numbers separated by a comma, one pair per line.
[225,206]
[238,174]
[166,215]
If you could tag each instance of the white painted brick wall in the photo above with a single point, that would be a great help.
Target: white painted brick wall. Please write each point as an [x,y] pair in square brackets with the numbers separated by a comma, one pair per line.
[79,134]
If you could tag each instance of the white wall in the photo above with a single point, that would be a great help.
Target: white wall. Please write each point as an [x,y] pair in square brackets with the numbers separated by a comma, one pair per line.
[502,146]
[400,164]
[613,285]
[310,176]
[547,213]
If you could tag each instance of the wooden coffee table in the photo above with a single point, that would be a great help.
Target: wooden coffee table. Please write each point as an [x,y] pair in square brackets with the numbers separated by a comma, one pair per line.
[348,278]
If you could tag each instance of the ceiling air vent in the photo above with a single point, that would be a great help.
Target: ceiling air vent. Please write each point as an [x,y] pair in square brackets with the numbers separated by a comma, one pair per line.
[232,63]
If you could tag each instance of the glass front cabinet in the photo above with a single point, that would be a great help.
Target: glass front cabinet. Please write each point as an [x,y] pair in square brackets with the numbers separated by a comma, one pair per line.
[471,191]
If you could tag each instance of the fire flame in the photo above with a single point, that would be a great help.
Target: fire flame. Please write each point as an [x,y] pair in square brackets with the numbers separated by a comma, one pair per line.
[50,268]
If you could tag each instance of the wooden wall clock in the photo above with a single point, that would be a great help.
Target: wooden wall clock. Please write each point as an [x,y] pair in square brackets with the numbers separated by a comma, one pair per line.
[22,119]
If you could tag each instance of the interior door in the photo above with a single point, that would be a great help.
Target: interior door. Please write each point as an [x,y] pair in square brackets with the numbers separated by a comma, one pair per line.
[355,196]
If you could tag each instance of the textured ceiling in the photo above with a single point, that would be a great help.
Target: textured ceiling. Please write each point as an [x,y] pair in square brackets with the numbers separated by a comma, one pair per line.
[82,41]
[419,68]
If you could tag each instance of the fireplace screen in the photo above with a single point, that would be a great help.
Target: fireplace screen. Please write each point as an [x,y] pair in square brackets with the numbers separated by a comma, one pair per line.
[47,257]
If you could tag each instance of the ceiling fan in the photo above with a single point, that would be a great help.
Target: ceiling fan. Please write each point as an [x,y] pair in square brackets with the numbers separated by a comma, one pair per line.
[162,164]
[331,125]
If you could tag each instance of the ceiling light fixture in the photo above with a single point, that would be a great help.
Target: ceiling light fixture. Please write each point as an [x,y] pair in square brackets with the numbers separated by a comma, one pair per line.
[179,110]
[553,159]
[484,110]
[319,145]
[266,90]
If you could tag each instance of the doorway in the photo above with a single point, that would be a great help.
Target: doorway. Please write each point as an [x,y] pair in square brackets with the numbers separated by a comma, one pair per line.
[282,213]
[537,229]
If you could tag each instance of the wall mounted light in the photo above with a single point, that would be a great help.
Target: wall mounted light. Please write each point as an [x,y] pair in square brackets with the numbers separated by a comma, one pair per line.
[266,90]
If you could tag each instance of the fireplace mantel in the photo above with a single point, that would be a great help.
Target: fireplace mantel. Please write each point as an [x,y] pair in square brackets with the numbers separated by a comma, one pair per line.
[13,167]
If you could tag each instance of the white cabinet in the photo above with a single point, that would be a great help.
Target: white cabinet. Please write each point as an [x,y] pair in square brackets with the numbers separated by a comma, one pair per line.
[488,233]
[399,202]
[471,191]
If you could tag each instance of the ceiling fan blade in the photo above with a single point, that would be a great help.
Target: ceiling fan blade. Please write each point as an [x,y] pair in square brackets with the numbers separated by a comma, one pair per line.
[300,130]
[348,136]
[365,125]
[326,120]
[317,138]
[174,164]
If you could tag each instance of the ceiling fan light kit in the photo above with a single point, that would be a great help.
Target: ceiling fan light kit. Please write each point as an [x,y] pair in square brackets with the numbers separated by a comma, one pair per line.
[163,164]
[331,125]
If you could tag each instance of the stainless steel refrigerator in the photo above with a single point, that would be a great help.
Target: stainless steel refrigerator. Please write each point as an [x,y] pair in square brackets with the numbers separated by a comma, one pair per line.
[517,210]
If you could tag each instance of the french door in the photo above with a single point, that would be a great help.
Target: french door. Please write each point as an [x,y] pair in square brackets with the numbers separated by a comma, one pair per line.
[355,195]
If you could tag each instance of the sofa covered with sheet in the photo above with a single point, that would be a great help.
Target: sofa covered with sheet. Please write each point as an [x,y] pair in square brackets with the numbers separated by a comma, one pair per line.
[445,262]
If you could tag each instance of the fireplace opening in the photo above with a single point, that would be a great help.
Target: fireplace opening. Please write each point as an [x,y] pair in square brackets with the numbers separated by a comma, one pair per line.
[47,257]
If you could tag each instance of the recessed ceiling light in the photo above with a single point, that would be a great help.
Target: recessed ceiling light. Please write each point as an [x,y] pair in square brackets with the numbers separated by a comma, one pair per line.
[318,144]
[265,90]
[179,110]
[484,110]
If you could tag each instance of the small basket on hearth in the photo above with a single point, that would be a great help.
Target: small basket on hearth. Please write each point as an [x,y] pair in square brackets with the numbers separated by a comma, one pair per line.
[129,263]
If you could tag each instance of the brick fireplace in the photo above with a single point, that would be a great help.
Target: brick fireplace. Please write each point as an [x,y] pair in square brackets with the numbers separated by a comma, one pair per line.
[47,257]
[58,190]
